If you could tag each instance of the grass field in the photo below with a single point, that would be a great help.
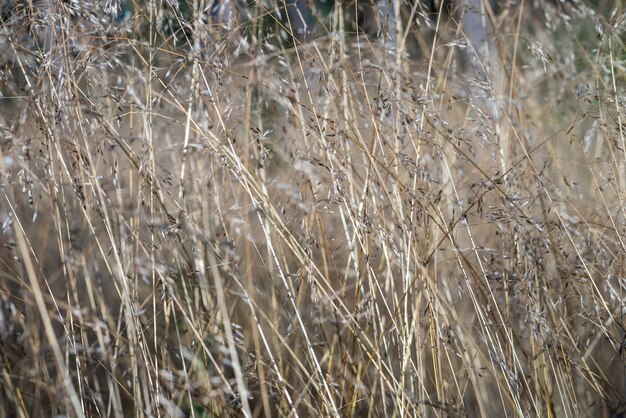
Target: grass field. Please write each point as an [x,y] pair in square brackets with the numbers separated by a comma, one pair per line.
[215,220]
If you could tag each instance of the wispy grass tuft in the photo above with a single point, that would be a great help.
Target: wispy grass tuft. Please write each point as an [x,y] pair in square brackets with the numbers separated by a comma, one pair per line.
[203,215]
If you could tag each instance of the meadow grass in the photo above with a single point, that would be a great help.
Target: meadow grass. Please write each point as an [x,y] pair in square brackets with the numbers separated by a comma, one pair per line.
[205,219]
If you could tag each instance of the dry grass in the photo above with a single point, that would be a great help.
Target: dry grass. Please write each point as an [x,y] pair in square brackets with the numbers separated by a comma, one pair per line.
[208,221]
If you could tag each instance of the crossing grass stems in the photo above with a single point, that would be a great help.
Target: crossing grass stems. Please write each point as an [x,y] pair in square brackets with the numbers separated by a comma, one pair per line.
[205,217]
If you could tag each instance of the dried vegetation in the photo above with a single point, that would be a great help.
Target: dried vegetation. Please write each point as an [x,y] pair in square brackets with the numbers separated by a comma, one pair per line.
[202,217]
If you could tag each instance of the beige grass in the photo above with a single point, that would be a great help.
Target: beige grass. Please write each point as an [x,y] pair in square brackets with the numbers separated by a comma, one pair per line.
[221,223]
